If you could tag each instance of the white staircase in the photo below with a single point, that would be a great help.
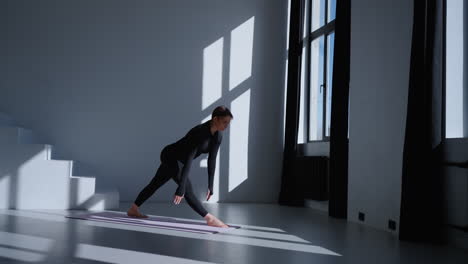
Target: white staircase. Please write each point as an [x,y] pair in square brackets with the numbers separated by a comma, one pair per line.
[31,179]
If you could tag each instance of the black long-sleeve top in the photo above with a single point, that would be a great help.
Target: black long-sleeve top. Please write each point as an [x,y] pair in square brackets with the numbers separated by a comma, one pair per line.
[197,141]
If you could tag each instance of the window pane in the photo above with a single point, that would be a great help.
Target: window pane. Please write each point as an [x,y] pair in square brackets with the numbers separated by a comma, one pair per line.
[306,29]
[302,103]
[330,53]
[454,70]
[331,10]
[318,14]
[316,89]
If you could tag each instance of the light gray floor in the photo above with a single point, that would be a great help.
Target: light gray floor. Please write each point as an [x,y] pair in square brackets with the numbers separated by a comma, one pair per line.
[270,234]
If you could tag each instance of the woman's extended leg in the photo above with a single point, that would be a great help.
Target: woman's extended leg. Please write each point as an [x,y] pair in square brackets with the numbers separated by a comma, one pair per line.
[193,201]
[163,174]
[196,205]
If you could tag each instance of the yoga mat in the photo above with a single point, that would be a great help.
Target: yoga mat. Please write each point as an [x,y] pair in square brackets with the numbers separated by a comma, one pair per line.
[154,221]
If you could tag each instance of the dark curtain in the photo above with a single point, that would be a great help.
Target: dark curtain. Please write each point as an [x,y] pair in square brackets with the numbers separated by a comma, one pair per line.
[291,193]
[338,199]
[421,215]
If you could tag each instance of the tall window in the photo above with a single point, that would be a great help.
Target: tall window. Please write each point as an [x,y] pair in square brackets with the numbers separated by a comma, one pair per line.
[455,126]
[317,70]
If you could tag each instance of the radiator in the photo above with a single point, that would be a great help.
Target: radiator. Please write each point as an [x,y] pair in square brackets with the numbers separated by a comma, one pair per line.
[312,173]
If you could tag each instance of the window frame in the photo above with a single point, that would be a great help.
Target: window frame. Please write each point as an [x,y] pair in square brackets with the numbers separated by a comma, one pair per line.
[325,30]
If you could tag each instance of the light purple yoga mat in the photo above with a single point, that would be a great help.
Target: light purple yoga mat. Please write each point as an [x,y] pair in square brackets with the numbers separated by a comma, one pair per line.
[154,221]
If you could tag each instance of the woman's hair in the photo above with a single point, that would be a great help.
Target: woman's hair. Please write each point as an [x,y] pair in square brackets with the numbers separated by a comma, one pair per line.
[221,111]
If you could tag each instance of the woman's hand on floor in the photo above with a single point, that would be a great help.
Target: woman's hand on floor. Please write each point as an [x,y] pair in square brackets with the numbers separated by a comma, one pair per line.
[178,199]
[208,195]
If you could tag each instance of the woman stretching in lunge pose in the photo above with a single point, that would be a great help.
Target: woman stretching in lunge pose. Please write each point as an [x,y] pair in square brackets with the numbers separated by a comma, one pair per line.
[204,138]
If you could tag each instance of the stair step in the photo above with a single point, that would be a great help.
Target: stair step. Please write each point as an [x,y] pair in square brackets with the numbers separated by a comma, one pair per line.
[41,184]
[82,189]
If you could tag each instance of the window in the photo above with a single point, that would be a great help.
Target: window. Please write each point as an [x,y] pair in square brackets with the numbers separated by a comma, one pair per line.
[317,63]
[454,68]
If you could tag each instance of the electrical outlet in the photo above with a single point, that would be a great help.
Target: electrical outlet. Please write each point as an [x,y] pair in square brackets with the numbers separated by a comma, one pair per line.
[391,224]
[362,216]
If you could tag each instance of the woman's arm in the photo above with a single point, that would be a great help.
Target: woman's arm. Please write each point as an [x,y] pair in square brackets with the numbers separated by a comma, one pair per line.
[185,171]
[195,138]
[212,162]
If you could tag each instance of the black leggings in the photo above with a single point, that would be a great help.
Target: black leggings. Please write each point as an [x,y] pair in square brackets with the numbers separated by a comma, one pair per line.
[168,169]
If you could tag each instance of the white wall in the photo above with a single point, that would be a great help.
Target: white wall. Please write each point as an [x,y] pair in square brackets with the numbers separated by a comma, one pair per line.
[110,83]
[380,59]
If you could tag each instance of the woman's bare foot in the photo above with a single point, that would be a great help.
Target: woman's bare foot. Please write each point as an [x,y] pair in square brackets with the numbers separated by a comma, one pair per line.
[133,212]
[211,220]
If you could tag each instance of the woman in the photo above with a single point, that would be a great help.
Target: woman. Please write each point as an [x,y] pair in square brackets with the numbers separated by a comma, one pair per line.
[176,160]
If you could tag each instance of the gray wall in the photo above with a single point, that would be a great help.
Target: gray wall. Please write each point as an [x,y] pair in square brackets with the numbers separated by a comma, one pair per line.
[110,83]
[380,58]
